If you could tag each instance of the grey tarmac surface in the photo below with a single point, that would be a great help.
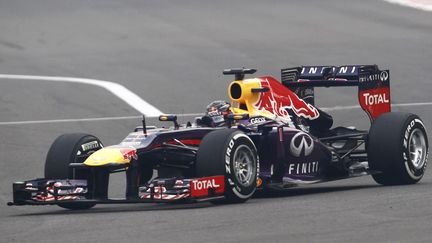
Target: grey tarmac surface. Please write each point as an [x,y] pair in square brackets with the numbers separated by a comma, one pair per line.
[171,53]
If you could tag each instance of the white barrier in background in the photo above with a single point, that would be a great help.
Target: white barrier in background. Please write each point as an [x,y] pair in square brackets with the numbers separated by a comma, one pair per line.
[425,5]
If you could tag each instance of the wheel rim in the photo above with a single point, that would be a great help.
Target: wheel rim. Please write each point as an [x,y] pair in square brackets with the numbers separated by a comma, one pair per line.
[244,165]
[417,148]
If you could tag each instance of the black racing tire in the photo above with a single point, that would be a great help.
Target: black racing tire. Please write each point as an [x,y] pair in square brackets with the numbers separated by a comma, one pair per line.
[397,147]
[65,150]
[216,156]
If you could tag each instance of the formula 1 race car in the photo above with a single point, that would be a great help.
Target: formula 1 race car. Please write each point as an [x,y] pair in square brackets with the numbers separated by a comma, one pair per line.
[269,137]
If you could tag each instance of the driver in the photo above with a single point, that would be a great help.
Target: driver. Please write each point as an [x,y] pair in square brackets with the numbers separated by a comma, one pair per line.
[215,114]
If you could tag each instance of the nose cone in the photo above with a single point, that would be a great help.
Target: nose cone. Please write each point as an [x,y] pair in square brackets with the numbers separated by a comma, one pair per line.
[111,155]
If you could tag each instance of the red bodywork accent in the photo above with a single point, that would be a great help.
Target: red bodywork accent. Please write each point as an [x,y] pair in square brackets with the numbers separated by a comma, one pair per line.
[190,142]
[375,101]
[129,153]
[280,98]
[201,187]
[187,141]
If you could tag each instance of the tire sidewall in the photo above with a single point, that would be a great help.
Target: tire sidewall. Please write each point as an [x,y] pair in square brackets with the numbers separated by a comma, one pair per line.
[232,185]
[65,150]
[412,172]
[388,149]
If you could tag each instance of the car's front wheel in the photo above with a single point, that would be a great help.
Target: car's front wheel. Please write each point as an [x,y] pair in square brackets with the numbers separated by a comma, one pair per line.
[230,153]
[66,149]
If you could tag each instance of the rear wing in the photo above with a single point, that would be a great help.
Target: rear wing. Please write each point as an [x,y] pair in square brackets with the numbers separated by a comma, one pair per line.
[373,84]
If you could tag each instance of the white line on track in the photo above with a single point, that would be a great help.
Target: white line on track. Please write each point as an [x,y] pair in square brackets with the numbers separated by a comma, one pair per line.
[336,108]
[117,89]
[425,5]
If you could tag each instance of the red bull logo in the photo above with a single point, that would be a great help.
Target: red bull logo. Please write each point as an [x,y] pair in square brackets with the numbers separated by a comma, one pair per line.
[280,99]
[129,153]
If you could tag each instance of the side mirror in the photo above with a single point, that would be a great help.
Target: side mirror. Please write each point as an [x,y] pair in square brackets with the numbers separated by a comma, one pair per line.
[172,118]
[235,117]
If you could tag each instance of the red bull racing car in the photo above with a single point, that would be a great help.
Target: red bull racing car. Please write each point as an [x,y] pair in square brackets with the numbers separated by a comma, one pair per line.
[269,137]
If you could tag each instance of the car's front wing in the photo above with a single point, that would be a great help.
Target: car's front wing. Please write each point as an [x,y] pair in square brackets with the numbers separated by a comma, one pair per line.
[49,192]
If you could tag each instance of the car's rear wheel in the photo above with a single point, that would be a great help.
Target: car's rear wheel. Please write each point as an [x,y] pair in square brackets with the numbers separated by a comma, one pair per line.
[398,148]
[66,149]
[230,153]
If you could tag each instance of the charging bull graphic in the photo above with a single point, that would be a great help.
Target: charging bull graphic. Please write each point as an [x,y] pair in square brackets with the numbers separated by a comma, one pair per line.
[280,99]
[129,153]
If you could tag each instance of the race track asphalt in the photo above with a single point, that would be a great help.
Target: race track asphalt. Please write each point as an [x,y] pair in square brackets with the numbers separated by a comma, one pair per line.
[171,53]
